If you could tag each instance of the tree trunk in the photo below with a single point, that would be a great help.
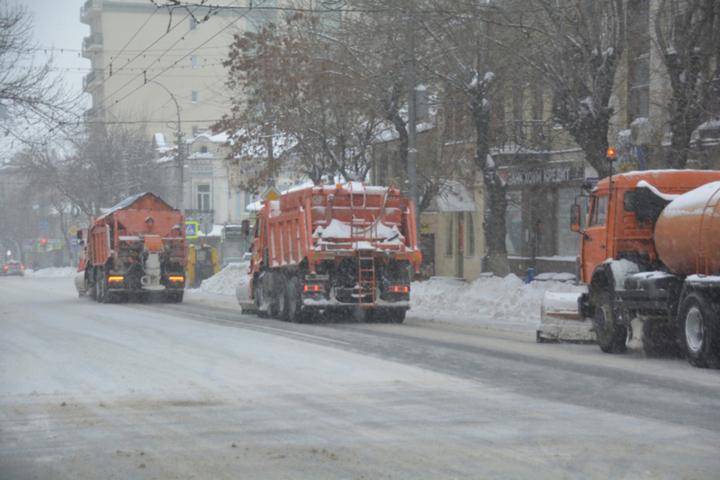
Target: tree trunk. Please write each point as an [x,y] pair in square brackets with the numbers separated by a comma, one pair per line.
[494,223]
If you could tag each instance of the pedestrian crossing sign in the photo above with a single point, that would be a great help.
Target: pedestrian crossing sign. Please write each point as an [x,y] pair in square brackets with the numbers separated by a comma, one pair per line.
[191,229]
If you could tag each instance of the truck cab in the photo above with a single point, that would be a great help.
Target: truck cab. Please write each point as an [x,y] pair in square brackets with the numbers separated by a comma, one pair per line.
[618,241]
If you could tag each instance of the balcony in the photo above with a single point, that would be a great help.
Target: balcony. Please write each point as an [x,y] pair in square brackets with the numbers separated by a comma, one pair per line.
[94,40]
[95,113]
[531,135]
[95,76]
[200,215]
[90,6]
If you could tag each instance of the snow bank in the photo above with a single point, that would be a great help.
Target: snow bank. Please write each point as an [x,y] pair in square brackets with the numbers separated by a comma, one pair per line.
[225,281]
[488,301]
[487,298]
[52,272]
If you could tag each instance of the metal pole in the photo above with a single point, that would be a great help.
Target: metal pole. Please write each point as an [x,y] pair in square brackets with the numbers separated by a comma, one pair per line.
[412,127]
[180,153]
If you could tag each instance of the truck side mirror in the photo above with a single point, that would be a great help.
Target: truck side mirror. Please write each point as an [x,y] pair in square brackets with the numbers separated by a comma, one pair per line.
[575,218]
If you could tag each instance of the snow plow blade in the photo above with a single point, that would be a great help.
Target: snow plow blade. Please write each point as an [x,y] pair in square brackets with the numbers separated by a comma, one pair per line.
[559,320]
[248,306]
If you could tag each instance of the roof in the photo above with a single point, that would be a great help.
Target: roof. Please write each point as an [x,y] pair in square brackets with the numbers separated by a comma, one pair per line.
[663,180]
[455,197]
[129,201]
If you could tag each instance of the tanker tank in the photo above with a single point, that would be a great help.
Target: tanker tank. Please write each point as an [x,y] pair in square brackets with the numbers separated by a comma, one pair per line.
[687,233]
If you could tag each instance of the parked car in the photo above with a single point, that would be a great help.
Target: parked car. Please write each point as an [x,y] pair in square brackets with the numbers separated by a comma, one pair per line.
[13,267]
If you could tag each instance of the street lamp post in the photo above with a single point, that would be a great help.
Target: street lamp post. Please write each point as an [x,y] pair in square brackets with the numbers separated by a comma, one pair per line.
[180,153]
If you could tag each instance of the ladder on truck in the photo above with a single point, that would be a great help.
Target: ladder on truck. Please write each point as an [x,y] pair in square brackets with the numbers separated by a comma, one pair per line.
[366,259]
[366,278]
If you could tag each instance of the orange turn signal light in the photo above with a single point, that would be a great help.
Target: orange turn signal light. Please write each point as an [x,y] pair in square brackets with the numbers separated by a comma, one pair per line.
[399,289]
[116,278]
[313,288]
[176,279]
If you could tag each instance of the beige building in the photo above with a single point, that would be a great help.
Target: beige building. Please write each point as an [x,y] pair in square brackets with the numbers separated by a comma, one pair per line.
[164,67]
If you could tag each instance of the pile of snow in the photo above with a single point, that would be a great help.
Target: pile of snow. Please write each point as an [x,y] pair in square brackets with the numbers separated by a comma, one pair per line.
[225,281]
[487,298]
[52,272]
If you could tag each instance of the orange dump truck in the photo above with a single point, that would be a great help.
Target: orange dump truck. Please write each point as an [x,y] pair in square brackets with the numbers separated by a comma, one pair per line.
[136,247]
[651,251]
[346,246]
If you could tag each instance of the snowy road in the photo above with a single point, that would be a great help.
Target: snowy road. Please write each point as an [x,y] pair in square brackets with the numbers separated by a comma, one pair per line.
[191,391]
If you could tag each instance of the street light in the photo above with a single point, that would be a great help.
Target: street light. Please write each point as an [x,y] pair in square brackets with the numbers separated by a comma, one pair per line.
[179,135]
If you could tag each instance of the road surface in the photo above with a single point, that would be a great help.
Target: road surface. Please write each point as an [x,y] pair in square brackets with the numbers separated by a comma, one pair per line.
[194,391]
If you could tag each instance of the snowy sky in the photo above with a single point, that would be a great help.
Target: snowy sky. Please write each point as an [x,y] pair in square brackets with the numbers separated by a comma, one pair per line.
[57,24]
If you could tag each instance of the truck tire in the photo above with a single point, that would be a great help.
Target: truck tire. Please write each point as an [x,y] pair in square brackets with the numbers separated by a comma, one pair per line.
[660,340]
[293,300]
[174,297]
[100,286]
[699,331]
[280,298]
[259,296]
[611,336]
[390,315]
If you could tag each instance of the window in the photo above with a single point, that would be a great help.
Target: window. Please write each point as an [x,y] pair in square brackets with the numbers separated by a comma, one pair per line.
[203,197]
[469,235]
[598,215]
[513,223]
[638,55]
[203,149]
[193,24]
[449,245]
[195,130]
[194,96]
[193,61]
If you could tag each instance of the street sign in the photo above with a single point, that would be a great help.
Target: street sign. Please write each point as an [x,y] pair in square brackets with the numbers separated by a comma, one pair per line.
[191,229]
[73,243]
[43,225]
[270,193]
[73,230]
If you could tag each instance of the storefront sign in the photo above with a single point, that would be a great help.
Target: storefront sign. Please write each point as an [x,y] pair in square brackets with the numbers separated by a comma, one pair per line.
[547,175]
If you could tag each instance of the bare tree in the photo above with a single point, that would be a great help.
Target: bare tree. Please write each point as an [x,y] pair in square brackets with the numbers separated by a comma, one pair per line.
[292,84]
[576,46]
[106,164]
[465,63]
[33,97]
[688,37]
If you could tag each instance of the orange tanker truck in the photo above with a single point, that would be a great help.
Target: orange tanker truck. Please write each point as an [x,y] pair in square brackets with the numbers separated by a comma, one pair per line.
[651,251]
[340,247]
[135,248]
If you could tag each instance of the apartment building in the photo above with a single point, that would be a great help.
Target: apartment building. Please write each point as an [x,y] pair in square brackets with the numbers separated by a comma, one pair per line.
[163,66]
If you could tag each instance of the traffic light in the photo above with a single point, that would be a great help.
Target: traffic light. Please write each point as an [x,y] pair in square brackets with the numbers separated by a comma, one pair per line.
[43,245]
[43,241]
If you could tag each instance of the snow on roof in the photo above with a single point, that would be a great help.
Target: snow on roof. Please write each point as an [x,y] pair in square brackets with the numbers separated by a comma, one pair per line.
[455,197]
[160,140]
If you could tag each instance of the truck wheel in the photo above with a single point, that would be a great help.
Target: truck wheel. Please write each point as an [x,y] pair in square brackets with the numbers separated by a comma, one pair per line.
[174,297]
[698,332]
[611,336]
[271,282]
[90,289]
[660,340]
[100,286]
[293,301]
[259,296]
[396,315]
[281,304]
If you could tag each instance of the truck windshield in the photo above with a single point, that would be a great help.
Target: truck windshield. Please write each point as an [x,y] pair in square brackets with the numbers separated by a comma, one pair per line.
[598,215]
